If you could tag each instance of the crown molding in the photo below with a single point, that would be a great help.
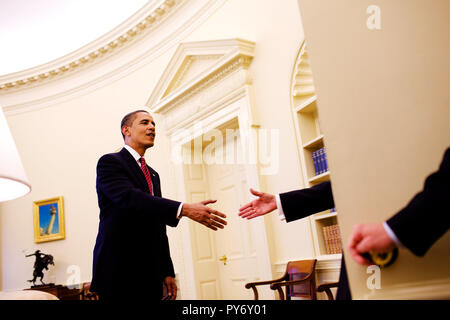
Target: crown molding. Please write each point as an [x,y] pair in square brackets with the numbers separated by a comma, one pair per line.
[179,19]
[147,18]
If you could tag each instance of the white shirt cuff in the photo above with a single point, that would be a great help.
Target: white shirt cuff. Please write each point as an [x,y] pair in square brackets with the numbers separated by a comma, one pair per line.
[179,210]
[392,235]
[280,208]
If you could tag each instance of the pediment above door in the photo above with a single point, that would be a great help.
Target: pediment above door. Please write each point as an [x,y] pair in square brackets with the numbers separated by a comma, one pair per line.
[199,74]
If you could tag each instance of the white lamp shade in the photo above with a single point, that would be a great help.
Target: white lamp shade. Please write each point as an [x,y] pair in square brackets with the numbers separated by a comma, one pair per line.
[13,180]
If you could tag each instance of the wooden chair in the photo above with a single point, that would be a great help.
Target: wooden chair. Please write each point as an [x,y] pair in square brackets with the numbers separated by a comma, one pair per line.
[299,280]
[326,287]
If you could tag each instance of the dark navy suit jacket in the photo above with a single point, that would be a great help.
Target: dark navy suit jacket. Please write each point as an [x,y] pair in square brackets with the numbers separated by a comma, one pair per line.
[415,225]
[132,250]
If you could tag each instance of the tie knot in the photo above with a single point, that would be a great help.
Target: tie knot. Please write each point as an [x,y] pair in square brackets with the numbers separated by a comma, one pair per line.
[142,160]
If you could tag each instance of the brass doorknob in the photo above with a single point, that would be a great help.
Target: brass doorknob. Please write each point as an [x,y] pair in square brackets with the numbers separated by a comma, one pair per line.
[223,259]
[384,259]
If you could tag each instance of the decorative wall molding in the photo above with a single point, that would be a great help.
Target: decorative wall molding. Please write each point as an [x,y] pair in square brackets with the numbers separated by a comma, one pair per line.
[200,95]
[182,19]
[149,17]
[302,81]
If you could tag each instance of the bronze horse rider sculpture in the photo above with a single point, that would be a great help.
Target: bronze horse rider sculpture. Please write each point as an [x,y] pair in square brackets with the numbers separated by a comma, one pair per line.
[42,262]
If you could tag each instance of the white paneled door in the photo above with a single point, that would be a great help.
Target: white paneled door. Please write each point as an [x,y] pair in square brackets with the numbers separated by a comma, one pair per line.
[224,260]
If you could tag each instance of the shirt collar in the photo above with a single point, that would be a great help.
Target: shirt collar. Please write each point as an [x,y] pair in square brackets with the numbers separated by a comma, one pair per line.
[133,152]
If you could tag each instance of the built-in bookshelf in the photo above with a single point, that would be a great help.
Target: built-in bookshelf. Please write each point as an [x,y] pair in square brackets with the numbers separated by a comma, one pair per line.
[326,235]
[312,153]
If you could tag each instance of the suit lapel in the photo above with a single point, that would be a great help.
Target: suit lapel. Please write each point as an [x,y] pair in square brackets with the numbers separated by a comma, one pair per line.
[133,167]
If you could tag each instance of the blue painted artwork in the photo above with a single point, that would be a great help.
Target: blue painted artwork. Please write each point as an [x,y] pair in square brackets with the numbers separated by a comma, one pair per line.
[48,219]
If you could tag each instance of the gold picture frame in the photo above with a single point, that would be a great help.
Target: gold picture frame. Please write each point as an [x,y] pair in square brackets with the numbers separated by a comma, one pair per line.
[48,216]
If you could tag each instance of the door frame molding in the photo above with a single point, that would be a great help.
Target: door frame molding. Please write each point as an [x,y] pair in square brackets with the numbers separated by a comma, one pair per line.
[214,96]
[236,109]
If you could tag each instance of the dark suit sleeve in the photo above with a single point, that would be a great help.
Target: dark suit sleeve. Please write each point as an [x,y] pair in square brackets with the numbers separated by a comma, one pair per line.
[302,203]
[114,183]
[169,269]
[426,217]
[169,264]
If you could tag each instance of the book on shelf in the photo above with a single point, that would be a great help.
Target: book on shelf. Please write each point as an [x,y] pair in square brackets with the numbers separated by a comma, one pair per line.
[325,162]
[316,167]
[332,238]
[315,156]
[320,161]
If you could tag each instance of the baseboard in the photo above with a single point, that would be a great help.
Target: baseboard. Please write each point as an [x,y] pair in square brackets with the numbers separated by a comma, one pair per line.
[424,290]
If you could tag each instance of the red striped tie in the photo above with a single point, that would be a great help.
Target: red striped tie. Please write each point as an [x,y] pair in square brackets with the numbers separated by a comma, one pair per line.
[146,174]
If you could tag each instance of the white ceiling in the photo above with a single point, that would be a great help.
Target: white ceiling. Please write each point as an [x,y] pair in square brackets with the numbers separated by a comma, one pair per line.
[33,32]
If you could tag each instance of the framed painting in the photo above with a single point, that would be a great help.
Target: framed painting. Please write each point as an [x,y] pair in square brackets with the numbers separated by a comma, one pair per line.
[48,220]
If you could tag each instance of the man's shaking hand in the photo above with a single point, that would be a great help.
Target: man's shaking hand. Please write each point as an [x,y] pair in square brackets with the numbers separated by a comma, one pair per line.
[264,204]
[203,214]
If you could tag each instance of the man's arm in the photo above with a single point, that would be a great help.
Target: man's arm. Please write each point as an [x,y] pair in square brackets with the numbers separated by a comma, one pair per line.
[425,219]
[169,270]
[113,182]
[295,204]
[415,226]
[299,204]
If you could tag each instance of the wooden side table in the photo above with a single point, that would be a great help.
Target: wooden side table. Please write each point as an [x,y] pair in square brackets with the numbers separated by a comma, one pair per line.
[59,291]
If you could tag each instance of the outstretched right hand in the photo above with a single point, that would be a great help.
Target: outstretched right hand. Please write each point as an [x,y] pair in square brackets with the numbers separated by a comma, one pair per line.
[203,214]
[264,204]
